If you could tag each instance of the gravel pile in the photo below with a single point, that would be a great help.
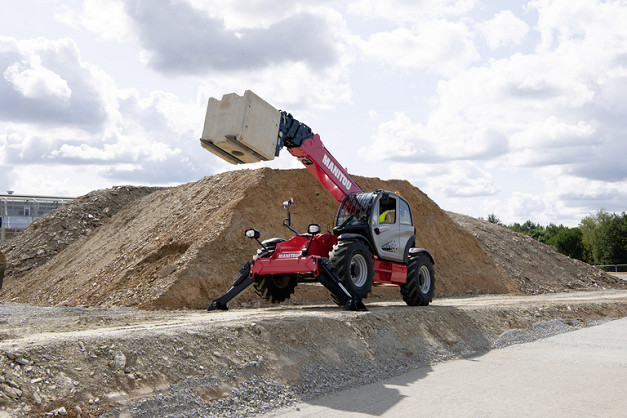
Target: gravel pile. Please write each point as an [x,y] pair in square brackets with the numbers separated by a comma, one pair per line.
[52,233]
[535,267]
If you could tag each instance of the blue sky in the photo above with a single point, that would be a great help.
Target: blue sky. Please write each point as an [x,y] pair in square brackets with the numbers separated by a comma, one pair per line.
[512,108]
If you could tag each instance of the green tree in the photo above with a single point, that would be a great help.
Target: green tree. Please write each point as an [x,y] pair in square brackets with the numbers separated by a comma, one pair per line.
[568,241]
[613,241]
[493,219]
[605,238]
[535,231]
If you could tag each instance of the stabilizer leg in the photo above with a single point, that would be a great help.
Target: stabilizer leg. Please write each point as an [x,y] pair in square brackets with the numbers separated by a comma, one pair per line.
[241,282]
[330,280]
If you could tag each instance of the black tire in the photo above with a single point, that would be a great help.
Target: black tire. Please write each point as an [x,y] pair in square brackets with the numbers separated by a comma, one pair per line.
[352,262]
[420,285]
[275,288]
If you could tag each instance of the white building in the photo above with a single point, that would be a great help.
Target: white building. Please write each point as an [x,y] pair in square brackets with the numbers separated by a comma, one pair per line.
[18,211]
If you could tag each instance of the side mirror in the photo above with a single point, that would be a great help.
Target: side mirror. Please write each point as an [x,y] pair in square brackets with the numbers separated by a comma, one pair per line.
[313,229]
[252,233]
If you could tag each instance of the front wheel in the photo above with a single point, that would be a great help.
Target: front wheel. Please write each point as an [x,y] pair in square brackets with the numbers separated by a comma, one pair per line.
[352,262]
[275,288]
[420,285]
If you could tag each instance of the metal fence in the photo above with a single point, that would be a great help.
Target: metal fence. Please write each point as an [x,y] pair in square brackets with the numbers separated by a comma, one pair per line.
[616,268]
[18,211]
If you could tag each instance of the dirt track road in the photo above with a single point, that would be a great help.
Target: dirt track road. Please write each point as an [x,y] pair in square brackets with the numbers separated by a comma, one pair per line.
[244,361]
[581,373]
[23,324]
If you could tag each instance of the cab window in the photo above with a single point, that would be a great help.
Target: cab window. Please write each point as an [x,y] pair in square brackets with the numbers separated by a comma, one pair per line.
[387,211]
[405,213]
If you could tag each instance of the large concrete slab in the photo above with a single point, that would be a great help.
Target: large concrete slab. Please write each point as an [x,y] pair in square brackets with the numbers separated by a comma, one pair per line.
[580,373]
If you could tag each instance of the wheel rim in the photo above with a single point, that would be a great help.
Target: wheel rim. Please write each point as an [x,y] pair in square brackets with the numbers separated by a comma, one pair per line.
[359,270]
[424,279]
[281,282]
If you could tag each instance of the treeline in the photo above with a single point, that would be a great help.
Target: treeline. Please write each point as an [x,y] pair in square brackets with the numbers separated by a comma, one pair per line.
[599,239]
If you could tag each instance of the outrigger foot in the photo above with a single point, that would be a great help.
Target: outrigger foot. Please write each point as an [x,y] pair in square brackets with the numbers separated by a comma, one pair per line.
[355,305]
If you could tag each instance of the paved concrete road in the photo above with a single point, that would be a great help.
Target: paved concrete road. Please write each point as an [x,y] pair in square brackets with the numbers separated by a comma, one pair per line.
[576,374]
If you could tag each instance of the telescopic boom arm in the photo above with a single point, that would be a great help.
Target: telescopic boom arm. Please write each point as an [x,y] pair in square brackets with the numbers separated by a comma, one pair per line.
[246,129]
[308,148]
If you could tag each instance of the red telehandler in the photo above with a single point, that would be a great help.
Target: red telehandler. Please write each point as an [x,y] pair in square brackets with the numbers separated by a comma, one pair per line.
[373,238]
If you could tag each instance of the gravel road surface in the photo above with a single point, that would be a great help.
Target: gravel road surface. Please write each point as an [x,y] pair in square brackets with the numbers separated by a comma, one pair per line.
[579,373]
[133,363]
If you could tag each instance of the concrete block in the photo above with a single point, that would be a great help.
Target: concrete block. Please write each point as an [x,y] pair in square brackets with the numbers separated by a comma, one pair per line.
[241,129]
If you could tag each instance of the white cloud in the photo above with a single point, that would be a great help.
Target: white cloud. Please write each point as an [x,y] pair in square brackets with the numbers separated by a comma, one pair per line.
[562,22]
[246,14]
[521,207]
[150,140]
[179,39]
[449,179]
[37,82]
[401,139]
[530,131]
[439,46]
[106,18]
[556,109]
[410,10]
[46,82]
[397,139]
[298,87]
[504,29]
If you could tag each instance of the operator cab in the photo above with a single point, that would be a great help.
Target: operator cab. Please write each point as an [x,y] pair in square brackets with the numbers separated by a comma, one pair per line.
[382,218]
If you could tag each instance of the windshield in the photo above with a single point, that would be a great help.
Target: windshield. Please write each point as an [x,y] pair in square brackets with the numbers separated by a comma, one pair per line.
[354,209]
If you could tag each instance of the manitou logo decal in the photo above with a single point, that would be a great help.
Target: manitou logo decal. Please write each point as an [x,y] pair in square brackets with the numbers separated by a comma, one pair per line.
[288,255]
[336,171]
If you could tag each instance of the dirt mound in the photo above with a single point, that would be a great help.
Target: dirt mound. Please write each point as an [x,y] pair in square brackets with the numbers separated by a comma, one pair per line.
[183,246]
[52,233]
[534,266]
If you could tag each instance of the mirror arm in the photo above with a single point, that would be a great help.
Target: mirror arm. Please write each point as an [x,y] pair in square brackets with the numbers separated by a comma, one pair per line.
[306,250]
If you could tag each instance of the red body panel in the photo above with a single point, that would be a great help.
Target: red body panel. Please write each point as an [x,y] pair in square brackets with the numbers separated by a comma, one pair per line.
[389,272]
[325,168]
[288,256]
[288,259]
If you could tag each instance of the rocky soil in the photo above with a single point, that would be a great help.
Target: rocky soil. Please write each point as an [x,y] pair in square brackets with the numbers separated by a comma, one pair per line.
[49,235]
[534,266]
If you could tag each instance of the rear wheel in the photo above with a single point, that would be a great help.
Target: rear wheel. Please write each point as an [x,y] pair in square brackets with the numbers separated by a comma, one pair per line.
[352,262]
[275,288]
[420,285]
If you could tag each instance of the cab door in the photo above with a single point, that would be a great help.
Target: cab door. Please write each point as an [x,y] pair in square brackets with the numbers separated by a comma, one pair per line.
[386,229]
